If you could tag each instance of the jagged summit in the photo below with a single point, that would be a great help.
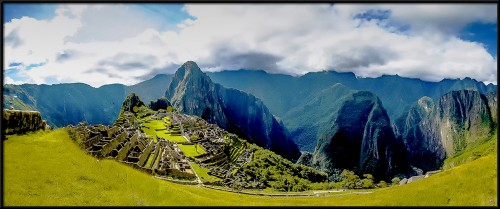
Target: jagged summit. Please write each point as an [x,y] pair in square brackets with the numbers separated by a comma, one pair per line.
[130,102]
[189,68]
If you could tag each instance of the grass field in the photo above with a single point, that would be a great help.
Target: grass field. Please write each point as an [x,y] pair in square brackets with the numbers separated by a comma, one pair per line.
[192,150]
[47,168]
[151,127]
[203,173]
[176,138]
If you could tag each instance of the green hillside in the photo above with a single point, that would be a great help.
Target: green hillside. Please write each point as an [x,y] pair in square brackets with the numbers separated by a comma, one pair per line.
[47,168]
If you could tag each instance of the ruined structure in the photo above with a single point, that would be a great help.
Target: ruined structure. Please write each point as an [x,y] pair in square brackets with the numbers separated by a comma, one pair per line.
[21,121]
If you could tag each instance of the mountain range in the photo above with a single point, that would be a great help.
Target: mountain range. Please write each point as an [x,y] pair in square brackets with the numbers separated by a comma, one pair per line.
[287,96]
[381,126]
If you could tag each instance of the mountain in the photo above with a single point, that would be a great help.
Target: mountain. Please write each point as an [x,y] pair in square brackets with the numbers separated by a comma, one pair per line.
[360,138]
[64,104]
[434,131]
[420,133]
[315,115]
[285,95]
[161,103]
[192,92]
[131,101]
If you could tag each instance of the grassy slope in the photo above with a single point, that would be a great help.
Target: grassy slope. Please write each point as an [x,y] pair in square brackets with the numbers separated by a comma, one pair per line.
[150,129]
[473,151]
[47,168]
[203,173]
[191,151]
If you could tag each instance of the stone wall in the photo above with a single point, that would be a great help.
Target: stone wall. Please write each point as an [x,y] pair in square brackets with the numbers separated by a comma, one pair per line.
[19,122]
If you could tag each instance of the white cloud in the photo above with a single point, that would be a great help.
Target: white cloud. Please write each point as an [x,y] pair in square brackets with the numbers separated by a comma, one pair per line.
[9,80]
[89,44]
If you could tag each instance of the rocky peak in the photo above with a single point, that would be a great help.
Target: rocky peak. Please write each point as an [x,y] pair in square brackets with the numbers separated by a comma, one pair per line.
[131,101]
[189,69]
[161,103]
[433,131]
[426,103]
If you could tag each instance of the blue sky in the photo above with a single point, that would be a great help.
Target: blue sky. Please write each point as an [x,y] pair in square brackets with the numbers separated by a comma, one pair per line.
[126,43]
[485,33]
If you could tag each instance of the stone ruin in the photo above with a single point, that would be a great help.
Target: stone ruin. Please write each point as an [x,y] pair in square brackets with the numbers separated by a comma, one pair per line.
[125,143]
[22,121]
[128,145]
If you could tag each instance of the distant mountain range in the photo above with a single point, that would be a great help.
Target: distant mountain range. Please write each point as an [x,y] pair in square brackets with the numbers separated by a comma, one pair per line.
[378,125]
[299,99]
[64,104]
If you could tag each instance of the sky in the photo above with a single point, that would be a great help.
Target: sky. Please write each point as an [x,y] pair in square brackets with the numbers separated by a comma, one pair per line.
[101,44]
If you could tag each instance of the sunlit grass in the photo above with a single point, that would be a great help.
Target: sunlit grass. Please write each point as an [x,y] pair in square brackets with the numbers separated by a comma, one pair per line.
[155,128]
[192,150]
[155,124]
[203,173]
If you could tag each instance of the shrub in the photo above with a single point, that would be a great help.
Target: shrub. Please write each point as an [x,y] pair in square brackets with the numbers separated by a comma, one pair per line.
[367,184]
[395,180]
[382,184]
[349,179]
[368,176]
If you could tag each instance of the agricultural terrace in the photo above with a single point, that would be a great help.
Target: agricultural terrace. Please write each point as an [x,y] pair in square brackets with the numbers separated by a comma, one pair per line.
[192,150]
[157,128]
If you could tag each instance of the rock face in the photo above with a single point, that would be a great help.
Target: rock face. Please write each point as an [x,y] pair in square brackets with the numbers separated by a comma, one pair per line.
[464,117]
[161,103]
[492,104]
[420,134]
[130,102]
[306,159]
[431,132]
[192,92]
[361,139]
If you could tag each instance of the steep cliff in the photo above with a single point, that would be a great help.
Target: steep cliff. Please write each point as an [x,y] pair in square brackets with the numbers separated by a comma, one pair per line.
[434,131]
[419,130]
[361,139]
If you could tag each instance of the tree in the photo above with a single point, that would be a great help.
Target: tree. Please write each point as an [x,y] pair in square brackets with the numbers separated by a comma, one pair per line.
[367,184]
[368,176]
[382,184]
[349,179]
[395,180]
[169,108]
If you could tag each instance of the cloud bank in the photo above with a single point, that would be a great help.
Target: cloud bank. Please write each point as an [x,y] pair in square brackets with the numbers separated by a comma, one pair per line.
[103,44]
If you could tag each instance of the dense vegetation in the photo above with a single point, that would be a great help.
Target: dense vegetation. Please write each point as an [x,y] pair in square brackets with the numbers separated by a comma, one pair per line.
[45,168]
[280,174]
